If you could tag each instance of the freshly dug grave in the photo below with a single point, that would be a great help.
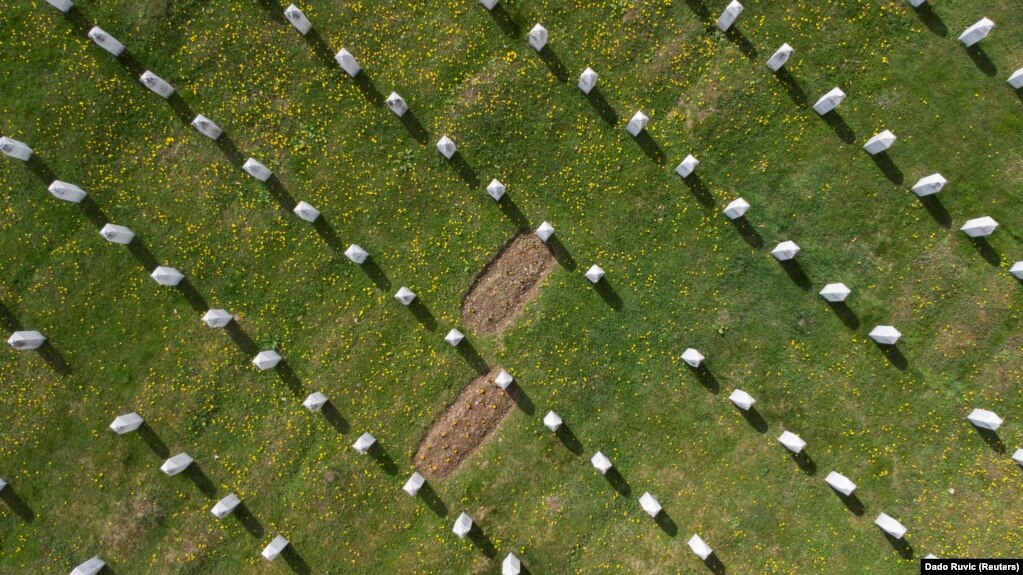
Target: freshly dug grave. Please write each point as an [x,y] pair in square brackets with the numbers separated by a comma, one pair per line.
[463,426]
[509,281]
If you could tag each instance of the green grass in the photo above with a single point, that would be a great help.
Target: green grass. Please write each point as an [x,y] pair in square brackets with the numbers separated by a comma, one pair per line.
[684,274]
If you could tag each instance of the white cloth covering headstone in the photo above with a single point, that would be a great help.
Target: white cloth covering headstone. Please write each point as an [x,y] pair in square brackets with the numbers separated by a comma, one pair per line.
[552,421]
[257,170]
[601,462]
[1018,456]
[538,37]
[692,357]
[217,318]
[742,400]
[275,547]
[315,401]
[728,17]
[979,227]
[24,340]
[1016,79]
[890,526]
[1017,270]
[879,142]
[588,80]
[791,441]
[454,337]
[90,567]
[106,41]
[885,335]
[267,359]
[687,166]
[840,483]
[207,127]
[126,423]
[829,101]
[298,19]
[414,484]
[3,484]
[397,104]
[835,292]
[985,419]
[176,464]
[156,84]
[495,189]
[446,147]
[62,5]
[700,547]
[15,149]
[463,525]
[306,211]
[917,3]
[356,253]
[736,209]
[511,565]
[405,296]
[67,192]
[785,251]
[649,504]
[928,185]
[976,32]
[166,276]
[347,62]
[545,231]
[594,273]
[489,4]
[504,380]
[225,506]
[637,124]
[780,57]
[117,234]
[364,443]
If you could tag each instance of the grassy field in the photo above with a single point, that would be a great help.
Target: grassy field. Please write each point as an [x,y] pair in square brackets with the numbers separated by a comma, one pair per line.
[681,275]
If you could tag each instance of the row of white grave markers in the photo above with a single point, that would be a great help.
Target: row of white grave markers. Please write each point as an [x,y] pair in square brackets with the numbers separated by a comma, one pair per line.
[980,418]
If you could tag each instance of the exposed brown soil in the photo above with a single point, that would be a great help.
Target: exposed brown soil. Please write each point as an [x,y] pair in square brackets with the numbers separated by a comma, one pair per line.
[463,426]
[509,281]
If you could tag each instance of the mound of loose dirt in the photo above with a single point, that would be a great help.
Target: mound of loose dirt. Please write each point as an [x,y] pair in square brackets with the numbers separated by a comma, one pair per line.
[506,284]
[463,426]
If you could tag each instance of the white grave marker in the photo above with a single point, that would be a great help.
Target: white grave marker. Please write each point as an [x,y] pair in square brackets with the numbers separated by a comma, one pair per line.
[885,335]
[106,41]
[298,19]
[15,149]
[156,84]
[780,57]
[687,166]
[976,32]
[207,127]
[67,192]
[588,80]
[225,506]
[791,441]
[347,62]
[24,340]
[217,318]
[829,101]
[728,17]
[126,423]
[538,37]
[267,359]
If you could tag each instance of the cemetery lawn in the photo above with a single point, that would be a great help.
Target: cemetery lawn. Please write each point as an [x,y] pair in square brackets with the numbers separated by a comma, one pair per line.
[679,274]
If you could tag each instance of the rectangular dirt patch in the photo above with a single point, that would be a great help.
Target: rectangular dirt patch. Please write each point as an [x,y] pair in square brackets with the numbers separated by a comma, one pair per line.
[464,426]
[509,281]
